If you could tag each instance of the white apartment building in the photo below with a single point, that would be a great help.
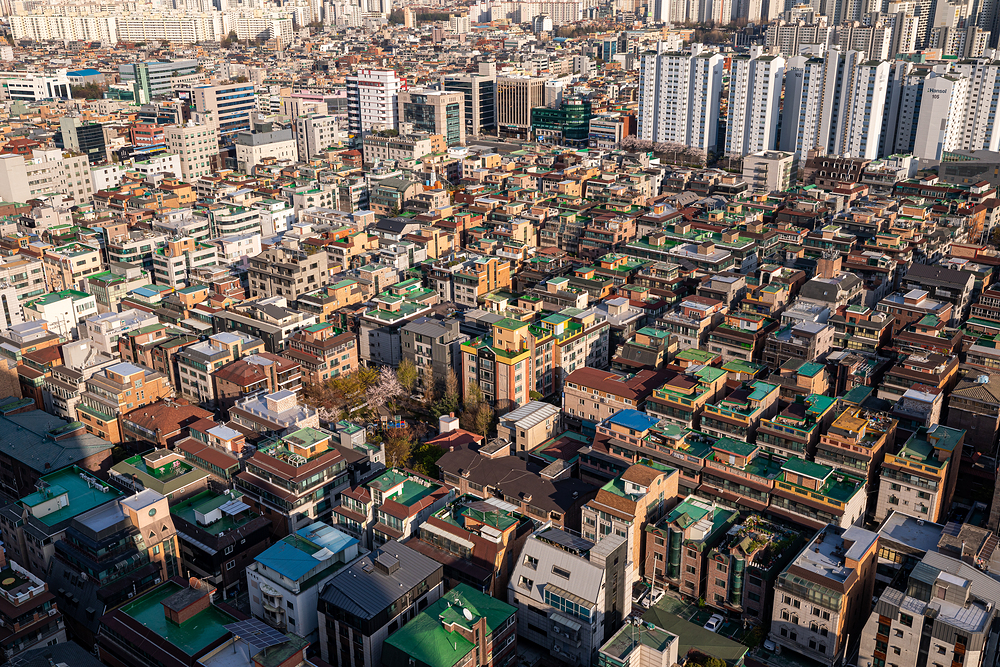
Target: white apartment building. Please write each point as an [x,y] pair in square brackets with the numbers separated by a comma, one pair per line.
[800,129]
[164,163]
[942,122]
[754,97]
[62,310]
[194,145]
[46,172]
[678,97]
[104,330]
[173,263]
[373,100]
[866,105]
[252,148]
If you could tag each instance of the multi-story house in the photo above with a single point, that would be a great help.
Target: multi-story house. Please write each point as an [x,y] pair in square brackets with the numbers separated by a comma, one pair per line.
[105,330]
[435,347]
[571,594]
[807,341]
[62,310]
[942,613]
[824,596]
[741,336]
[370,599]
[739,414]
[680,399]
[219,536]
[110,287]
[951,285]
[285,272]
[29,613]
[677,545]
[626,505]
[68,266]
[34,524]
[116,390]
[25,273]
[323,351]
[379,329]
[326,301]
[279,412]
[399,503]
[910,307]
[796,430]
[530,426]
[591,395]
[928,368]
[293,480]
[486,626]
[510,363]
[111,553]
[255,373]
[197,362]
[693,319]
[477,278]
[496,537]
[856,442]
[921,477]
[175,262]
[285,580]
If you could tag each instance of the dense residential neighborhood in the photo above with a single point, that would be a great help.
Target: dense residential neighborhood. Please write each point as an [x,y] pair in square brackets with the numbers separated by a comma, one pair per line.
[497,333]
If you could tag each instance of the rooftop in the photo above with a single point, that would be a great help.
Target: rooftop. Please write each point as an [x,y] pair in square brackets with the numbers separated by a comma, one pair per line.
[194,635]
[84,493]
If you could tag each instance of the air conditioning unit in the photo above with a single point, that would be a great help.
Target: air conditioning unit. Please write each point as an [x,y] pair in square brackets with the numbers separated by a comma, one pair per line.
[157,580]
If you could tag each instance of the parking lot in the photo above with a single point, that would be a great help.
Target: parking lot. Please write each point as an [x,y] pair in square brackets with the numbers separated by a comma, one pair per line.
[690,612]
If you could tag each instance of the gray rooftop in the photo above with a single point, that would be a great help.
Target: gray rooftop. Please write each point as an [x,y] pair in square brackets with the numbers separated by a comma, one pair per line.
[911,532]
[25,438]
[364,590]
[531,414]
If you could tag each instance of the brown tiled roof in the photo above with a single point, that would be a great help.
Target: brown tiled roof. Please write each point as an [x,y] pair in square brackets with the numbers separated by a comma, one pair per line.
[166,417]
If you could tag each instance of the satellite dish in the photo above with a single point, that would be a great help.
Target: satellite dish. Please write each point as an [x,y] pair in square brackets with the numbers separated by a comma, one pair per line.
[468,614]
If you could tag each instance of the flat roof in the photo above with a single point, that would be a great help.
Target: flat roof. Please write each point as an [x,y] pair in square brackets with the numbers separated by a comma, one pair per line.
[194,635]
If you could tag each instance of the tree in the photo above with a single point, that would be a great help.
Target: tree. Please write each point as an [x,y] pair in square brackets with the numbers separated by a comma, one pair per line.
[425,459]
[240,79]
[229,40]
[385,389]
[483,420]
[88,91]
[407,375]
[449,403]
[473,397]
[398,445]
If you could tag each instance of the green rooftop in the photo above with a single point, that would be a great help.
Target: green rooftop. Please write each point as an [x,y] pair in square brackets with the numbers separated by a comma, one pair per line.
[194,635]
[696,355]
[426,640]
[807,469]
[510,324]
[83,494]
[204,503]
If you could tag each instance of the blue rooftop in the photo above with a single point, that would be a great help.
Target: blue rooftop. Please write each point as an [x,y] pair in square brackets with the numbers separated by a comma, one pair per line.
[83,72]
[327,536]
[633,419]
[292,557]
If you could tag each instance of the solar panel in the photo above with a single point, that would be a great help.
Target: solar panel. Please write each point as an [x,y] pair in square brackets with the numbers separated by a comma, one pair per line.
[564,539]
[257,633]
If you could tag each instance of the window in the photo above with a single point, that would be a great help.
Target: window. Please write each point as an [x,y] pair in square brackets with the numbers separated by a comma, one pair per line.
[560,572]
[526,583]
[906,620]
[531,562]
[230,565]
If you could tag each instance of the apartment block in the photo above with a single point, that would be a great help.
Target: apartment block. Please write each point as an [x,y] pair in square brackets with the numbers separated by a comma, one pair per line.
[116,390]
[824,596]
[286,273]
[921,477]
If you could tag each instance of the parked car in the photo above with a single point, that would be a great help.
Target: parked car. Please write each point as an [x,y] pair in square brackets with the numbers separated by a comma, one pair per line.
[652,599]
[714,623]
[769,645]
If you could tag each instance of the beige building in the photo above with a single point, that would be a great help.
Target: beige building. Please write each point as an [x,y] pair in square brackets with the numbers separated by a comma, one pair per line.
[46,172]
[286,272]
[823,597]
[768,171]
[530,425]
[377,148]
[516,97]
[68,266]
[195,145]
